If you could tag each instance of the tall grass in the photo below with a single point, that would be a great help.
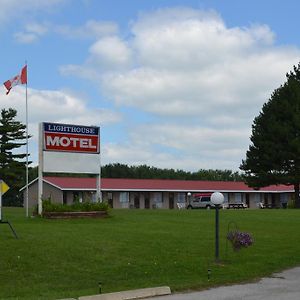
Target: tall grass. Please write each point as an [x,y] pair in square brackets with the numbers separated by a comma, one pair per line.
[140,248]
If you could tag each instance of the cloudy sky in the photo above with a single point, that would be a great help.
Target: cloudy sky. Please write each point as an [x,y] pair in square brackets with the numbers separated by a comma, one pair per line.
[172,84]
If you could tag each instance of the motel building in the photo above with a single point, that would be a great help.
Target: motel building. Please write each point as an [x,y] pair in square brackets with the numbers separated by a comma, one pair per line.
[153,193]
[69,148]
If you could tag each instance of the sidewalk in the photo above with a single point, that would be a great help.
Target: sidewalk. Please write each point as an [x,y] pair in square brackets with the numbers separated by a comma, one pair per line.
[284,285]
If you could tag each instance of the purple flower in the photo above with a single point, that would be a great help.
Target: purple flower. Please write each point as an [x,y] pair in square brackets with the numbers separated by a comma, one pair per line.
[239,239]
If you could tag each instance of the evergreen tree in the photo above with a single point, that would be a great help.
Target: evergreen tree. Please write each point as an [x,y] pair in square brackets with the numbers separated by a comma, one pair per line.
[12,164]
[274,154]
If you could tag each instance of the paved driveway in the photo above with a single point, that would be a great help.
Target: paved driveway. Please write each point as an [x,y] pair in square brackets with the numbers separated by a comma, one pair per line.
[281,286]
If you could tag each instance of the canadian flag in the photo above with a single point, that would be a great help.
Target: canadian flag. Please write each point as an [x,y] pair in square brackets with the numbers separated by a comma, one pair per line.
[18,79]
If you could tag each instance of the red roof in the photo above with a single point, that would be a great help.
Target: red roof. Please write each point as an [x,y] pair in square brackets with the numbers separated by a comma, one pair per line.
[123,184]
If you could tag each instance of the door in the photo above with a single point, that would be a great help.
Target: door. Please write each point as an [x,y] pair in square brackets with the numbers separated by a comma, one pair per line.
[136,201]
[273,201]
[171,200]
[147,201]
[65,197]
[247,200]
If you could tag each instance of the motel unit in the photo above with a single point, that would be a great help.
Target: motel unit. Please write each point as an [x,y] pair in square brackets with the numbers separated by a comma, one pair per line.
[153,193]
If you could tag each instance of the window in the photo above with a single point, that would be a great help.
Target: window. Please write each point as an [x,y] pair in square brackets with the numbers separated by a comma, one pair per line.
[157,199]
[94,197]
[205,199]
[181,198]
[77,197]
[124,197]
[238,198]
[225,197]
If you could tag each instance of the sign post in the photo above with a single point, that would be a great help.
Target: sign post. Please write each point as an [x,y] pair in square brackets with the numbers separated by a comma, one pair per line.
[3,189]
[68,148]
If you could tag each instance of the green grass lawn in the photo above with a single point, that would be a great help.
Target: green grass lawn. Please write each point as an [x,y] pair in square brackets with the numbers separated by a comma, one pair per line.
[140,248]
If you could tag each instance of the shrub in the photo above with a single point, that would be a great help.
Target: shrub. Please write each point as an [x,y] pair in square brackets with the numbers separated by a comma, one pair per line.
[85,206]
[291,204]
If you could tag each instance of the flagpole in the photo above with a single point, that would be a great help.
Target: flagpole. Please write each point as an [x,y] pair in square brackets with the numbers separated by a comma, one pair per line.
[27,213]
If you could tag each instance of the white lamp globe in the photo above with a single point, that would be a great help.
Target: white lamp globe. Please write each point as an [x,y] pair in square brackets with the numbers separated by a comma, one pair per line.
[189,194]
[217,198]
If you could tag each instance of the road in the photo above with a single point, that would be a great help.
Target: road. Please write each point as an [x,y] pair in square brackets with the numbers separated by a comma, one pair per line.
[280,286]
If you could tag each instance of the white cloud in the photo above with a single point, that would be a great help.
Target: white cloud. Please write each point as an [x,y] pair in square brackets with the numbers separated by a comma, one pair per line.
[110,52]
[39,29]
[190,39]
[194,64]
[262,34]
[188,62]
[84,72]
[11,9]
[25,37]
[91,29]
[181,146]
[106,54]
[32,32]
[202,81]
[55,106]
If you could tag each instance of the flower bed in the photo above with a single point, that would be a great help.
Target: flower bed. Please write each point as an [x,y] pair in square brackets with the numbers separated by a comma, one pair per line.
[76,210]
[74,214]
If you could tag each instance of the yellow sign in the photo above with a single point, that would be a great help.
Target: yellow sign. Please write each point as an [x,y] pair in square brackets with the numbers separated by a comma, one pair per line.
[4,187]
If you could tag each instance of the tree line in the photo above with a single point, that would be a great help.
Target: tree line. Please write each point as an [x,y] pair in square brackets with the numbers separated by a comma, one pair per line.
[117,170]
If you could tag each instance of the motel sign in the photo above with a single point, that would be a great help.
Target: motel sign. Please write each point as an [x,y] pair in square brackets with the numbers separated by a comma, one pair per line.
[71,138]
[66,148]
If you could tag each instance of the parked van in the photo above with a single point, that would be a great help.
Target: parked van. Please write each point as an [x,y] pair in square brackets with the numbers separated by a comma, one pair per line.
[201,200]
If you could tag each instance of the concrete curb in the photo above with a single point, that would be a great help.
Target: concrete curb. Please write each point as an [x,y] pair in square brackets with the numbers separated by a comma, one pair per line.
[133,294]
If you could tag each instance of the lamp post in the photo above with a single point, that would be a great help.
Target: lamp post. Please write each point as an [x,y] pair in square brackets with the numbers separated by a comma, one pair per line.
[189,194]
[217,199]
